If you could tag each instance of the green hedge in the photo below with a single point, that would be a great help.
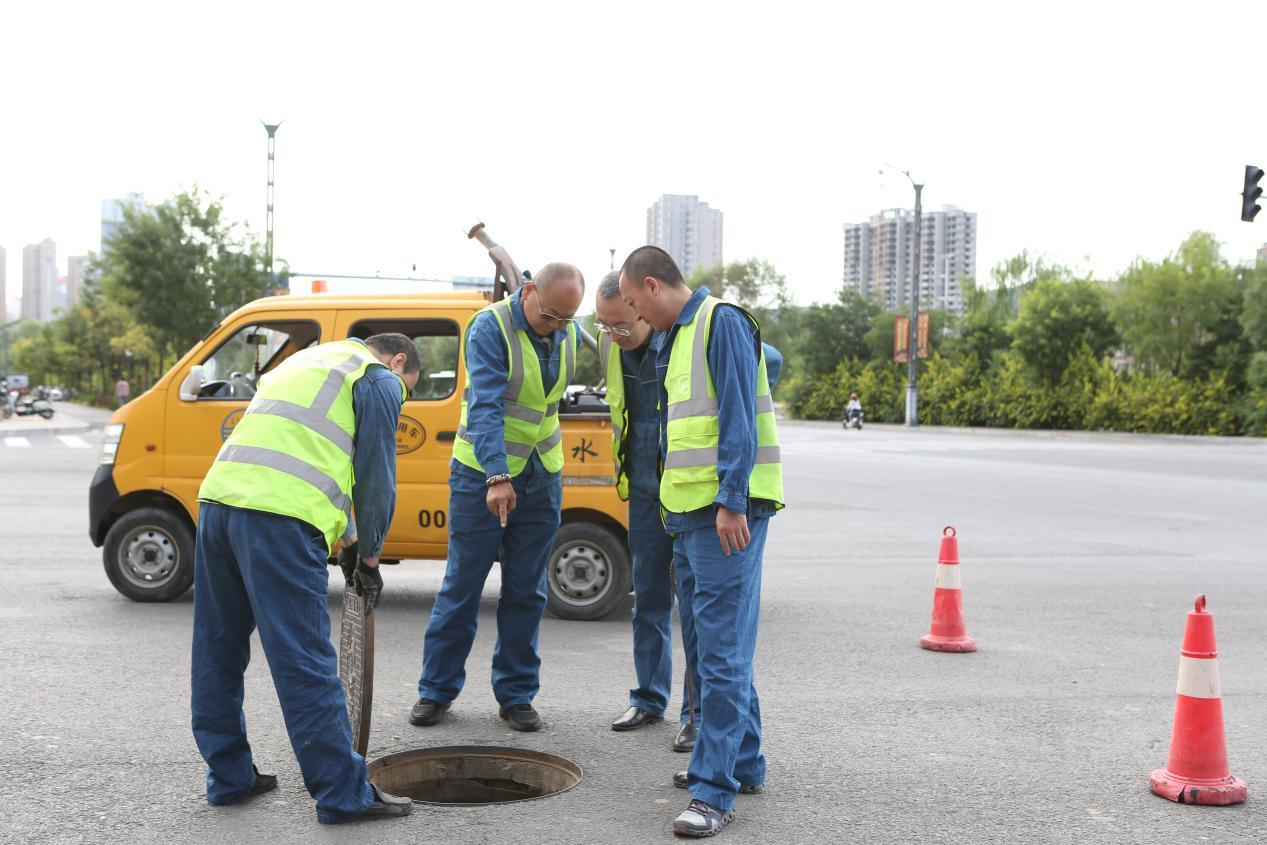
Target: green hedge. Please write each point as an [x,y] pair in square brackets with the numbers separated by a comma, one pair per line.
[1090,395]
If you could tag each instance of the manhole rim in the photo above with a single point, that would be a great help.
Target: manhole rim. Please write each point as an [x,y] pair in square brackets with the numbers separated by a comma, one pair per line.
[492,751]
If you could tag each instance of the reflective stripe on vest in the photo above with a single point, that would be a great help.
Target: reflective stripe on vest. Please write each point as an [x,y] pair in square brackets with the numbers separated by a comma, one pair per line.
[690,477]
[531,416]
[291,454]
[613,371]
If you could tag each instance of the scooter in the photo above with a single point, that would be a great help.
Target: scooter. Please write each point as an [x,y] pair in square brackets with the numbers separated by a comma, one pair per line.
[853,420]
[29,405]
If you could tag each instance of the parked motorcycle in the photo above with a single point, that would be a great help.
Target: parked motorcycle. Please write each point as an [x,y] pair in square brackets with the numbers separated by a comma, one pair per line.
[26,406]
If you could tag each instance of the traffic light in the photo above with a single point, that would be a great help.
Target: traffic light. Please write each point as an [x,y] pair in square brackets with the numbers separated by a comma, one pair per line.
[1249,197]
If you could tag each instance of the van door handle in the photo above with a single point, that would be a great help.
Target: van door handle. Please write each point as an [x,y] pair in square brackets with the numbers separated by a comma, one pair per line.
[447,436]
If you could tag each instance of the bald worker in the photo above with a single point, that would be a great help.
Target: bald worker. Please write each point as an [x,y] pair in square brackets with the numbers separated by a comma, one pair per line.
[505,492]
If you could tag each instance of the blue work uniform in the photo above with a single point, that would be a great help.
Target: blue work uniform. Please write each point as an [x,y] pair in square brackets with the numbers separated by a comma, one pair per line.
[650,545]
[254,568]
[719,594]
[476,535]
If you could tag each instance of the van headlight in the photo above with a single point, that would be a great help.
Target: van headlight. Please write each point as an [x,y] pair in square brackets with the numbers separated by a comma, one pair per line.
[110,444]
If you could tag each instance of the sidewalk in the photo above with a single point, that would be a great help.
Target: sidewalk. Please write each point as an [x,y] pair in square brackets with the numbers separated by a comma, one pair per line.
[68,418]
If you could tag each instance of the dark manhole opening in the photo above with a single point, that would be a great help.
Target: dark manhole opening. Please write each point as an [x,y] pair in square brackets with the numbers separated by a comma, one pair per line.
[473,774]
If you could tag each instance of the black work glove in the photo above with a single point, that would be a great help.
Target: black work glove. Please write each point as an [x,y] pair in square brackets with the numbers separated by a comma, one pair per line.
[348,559]
[369,585]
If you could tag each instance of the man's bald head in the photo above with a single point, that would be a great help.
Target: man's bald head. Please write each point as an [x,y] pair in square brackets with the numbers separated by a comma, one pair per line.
[552,298]
[561,276]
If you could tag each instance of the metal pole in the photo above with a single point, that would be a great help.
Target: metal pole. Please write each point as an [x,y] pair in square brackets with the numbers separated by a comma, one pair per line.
[612,265]
[912,367]
[271,129]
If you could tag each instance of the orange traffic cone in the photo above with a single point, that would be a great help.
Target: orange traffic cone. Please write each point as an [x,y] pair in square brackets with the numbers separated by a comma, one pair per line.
[948,632]
[1196,770]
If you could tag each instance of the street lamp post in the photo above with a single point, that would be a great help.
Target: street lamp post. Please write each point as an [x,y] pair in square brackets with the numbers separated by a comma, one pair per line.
[912,348]
[912,343]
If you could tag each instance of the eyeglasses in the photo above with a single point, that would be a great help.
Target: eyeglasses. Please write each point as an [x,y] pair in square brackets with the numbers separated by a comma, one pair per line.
[616,330]
[546,315]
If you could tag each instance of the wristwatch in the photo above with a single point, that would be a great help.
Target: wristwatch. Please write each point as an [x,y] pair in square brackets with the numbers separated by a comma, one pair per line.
[497,479]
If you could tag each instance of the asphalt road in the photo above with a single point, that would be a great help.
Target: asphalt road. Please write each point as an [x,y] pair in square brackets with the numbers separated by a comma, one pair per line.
[1081,555]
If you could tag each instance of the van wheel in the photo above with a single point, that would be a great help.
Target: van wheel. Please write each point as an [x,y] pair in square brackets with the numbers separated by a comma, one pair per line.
[588,573]
[149,555]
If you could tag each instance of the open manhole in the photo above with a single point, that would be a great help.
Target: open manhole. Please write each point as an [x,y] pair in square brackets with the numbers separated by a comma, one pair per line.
[473,774]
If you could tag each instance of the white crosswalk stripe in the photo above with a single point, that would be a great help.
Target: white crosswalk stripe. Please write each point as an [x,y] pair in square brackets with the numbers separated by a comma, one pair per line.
[73,441]
[18,442]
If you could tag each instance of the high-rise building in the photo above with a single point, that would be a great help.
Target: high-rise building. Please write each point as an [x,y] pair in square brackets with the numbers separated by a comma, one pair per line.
[879,259]
[112,214]
[686,229]
[76,268]
[39,280]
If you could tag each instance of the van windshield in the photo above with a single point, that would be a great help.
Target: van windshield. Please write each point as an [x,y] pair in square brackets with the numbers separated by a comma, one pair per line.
[234,369]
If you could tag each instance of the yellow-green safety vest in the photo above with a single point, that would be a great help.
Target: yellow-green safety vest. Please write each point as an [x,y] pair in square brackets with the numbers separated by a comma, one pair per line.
[291,454]
[531,414]
[613,372]
[689,481]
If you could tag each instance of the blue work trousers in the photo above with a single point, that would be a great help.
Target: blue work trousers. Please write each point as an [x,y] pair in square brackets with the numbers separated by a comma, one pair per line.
[254,568]
[722,595]
[475,535]
[652,551]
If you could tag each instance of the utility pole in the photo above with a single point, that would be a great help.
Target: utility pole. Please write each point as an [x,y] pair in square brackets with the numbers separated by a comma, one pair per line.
[612,265]
[271,129]
[912,366]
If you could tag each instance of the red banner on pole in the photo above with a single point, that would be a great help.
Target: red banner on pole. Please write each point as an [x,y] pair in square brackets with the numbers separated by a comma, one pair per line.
[902,336]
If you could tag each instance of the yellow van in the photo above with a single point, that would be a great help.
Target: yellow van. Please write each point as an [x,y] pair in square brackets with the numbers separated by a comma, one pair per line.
[157,448]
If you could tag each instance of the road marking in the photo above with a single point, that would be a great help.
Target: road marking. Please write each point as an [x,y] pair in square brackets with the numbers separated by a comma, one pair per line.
[19,442]
[73,441]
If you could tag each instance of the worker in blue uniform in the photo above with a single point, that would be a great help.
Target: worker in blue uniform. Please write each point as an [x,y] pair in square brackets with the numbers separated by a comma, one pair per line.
[318,437]
[505,493]
[636,449]
[721,480]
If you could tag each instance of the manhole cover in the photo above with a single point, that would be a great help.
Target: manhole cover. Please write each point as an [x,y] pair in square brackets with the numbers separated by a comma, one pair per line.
[473,774]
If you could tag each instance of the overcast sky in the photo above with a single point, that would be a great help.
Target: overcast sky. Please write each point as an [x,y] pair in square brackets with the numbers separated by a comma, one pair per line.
[1092,132]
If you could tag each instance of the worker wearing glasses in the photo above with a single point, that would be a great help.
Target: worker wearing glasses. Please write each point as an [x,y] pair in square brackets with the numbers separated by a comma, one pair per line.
[633,394]
[505,491]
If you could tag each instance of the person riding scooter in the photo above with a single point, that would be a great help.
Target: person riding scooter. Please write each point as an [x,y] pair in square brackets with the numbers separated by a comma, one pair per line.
[853,412]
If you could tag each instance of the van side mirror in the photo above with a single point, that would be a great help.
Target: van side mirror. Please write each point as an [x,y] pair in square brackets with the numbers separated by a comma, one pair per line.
[192,385]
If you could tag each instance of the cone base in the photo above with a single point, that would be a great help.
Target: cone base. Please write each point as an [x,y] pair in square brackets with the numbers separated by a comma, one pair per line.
[954,644]
[1219,792]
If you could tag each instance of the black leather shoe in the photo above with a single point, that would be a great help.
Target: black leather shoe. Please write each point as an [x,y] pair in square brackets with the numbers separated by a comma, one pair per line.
[263,783]
[427,712]
[682,781]
[635,717]
[686,736]
[521,717]
[387,806]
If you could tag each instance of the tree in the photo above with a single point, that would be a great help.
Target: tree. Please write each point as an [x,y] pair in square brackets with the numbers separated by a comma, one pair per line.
[181,267]
[831,333]
[1253,317]
[1180,315]
[1056,320]
[754,283]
